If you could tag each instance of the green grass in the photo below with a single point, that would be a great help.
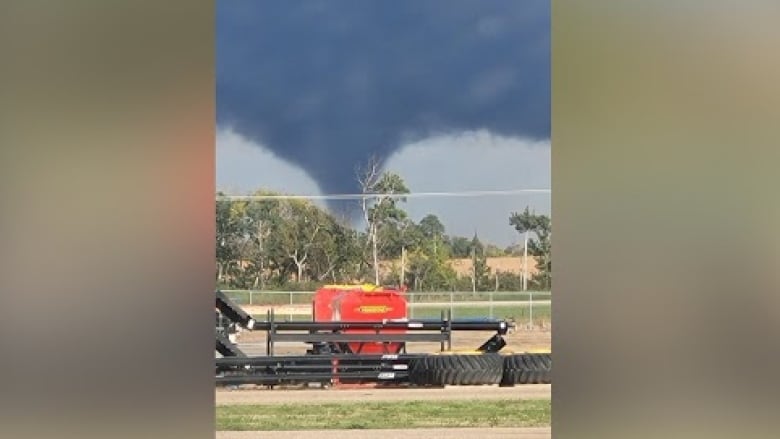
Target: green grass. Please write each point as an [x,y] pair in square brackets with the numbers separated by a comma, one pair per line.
[519,313]
[468,296]
[269,297]
[373,415]
[283,298]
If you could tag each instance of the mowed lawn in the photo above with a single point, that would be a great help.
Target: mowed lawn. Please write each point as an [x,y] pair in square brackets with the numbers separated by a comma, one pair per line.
[373,415]
[520,314]
[500,311]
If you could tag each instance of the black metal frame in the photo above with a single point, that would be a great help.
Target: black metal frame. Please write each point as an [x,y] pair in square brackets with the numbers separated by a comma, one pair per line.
[328,337]
[330,358]
[344,368]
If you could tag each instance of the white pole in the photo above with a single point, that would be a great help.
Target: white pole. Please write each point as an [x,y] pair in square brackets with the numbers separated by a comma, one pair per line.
[525,262]
[473,270]
[403,266]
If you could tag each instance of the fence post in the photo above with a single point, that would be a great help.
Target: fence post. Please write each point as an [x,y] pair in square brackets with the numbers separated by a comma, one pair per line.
[410,305]
[289,316]
[452,307]
[250,297]
[531,310]
[491,304]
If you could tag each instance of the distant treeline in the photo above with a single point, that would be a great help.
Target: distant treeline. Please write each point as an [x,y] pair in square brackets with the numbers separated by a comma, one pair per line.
[292,244]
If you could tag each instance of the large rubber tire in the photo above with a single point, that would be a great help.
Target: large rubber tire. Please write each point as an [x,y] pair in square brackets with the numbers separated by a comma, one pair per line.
[527,369]
[421,371]
[457,370]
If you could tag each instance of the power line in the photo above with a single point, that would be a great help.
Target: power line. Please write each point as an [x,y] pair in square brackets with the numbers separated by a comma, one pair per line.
[361,196]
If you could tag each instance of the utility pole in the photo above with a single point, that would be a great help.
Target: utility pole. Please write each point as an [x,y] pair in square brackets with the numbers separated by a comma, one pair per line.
[525,262]
[473,269]
[376,256]
[403,265]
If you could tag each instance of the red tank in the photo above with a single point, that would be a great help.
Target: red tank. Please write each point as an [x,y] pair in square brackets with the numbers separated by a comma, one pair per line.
[360,303]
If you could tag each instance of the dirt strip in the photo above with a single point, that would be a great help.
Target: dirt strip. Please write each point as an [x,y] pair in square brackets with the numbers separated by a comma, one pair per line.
[419,433]
[319,396]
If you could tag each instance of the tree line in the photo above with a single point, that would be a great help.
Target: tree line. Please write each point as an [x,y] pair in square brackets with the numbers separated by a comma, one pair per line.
[293,244]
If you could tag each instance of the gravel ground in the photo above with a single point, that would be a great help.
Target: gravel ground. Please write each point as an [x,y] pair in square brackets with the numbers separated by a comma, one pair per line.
[253,342]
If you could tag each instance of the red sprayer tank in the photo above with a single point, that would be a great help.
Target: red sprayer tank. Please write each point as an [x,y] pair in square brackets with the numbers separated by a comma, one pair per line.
[360,303]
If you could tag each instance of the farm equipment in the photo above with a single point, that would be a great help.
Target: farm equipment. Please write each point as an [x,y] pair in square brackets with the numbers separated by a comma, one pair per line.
[359,334]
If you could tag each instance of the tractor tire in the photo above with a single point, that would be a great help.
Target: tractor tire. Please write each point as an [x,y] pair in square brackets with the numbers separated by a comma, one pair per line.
[527,369]
[421,371]
[456,370]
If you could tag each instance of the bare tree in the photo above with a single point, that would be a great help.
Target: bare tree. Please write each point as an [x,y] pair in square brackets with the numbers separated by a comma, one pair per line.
[380,204]
[368,176]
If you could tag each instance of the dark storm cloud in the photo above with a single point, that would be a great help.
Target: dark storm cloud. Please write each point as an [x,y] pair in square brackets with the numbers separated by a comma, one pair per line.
[325,84]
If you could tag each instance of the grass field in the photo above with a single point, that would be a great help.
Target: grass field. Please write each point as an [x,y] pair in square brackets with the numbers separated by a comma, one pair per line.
[373,415]
[519,313]
[242,297]
[425,305]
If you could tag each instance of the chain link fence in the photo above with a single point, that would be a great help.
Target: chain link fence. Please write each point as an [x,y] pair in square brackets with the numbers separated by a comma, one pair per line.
[529,309]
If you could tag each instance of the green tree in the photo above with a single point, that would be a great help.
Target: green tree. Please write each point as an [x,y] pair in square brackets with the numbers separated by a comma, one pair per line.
[480,272]
[431,227]
[233,237]
[514,250]
[224,235]
[494,251]
[396,236]
[268,242]
[276,243]
[302,226]
[335,254]
[539,245]
[429,267]
[460,247]
[263,255]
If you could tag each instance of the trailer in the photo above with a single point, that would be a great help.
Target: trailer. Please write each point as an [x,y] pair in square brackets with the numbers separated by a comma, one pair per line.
[359,334]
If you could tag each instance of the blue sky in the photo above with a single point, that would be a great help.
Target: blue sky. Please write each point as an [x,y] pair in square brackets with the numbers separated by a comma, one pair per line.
[453,95]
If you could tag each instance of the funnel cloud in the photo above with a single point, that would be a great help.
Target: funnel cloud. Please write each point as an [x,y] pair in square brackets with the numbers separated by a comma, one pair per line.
[326,84]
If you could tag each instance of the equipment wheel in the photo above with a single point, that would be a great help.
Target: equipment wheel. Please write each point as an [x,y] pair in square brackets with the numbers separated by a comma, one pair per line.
[527,369]
[456,369]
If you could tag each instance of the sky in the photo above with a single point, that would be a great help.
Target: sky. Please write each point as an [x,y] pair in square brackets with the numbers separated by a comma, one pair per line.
[453,95]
